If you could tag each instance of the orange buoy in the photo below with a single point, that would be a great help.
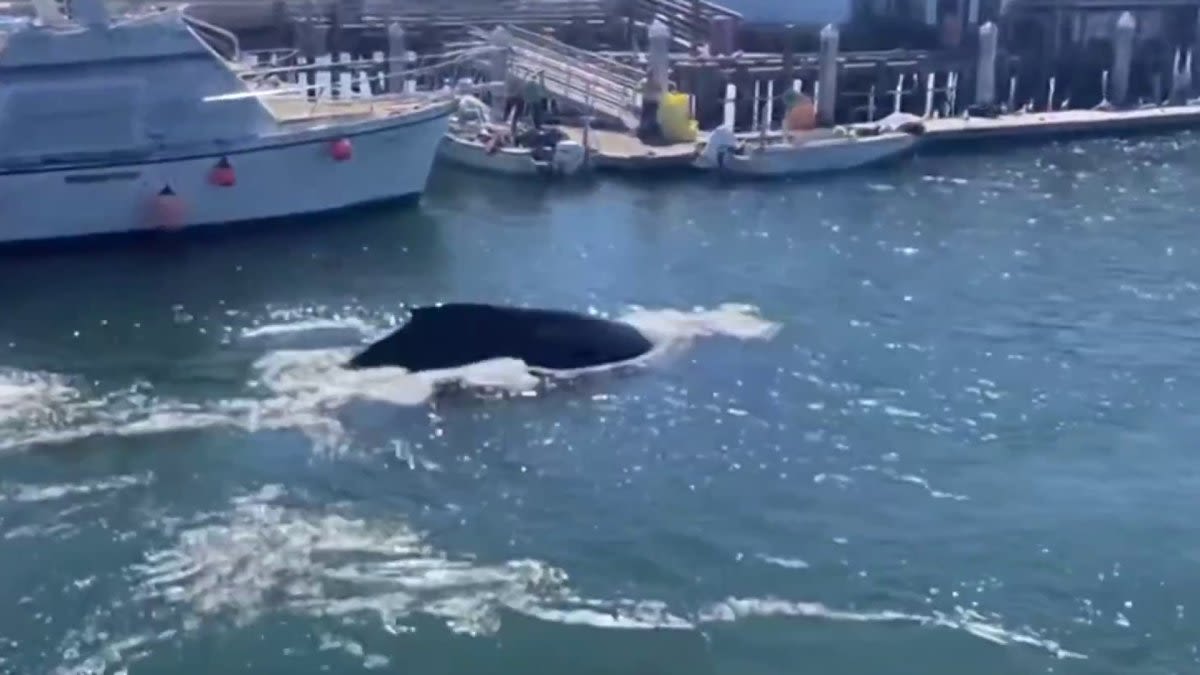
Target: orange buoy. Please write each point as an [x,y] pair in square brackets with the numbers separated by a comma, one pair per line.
[222,174]
[341,150]
[168,209]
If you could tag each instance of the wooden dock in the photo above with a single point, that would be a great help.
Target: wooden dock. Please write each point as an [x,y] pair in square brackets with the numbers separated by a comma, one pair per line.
[618,151]
[1054,125]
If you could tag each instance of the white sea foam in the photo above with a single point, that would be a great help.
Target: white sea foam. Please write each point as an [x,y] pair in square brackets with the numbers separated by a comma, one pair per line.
[302,389]
[309,325]
[25,492]
[263,556]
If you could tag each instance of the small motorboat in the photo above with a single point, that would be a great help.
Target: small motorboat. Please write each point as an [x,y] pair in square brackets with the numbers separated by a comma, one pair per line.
[475,142]
[799,153]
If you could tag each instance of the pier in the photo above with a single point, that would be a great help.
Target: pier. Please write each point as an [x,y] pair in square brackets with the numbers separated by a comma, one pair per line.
[981,71]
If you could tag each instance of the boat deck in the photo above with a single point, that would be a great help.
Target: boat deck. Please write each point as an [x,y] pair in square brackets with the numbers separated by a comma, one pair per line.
[298,112]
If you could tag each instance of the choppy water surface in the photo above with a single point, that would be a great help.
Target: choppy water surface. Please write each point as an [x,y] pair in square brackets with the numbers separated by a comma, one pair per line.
[935,419]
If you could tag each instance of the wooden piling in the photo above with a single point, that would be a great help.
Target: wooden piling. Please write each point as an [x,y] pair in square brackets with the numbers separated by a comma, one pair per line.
[1122,58]
[827,103]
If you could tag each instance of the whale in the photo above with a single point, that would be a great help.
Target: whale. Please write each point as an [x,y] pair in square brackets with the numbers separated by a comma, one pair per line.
[452,335]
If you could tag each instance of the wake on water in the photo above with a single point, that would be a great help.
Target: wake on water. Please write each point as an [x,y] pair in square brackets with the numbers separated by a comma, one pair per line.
[303,388]
[264,554]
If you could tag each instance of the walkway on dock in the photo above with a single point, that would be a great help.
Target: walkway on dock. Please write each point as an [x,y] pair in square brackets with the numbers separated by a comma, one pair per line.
[603,85]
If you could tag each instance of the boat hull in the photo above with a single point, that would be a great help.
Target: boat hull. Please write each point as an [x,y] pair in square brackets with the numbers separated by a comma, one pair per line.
[508,160]
[819,156]
[285,175]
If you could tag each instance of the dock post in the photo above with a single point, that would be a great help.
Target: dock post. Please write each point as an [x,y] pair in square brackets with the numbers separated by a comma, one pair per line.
[1181,77]
[985,75]
[397,58]
[333,44]
[352,22]
[308,41]
[697,16]
[1189,77]
[501,41]
[281,20]
[658,69]
[1122,57]
[787,66]
[1195,48]
[721,38]
[930,85]
[707,83]
[828,65]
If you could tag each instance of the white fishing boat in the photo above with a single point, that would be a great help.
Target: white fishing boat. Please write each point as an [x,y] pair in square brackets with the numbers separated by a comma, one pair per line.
[473,141]
[800,153]
[121,125]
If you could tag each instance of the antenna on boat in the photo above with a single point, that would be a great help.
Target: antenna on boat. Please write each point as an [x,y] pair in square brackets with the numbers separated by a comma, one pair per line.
[49,14]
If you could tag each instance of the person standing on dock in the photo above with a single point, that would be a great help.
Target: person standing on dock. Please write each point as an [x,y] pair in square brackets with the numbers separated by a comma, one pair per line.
[514,101]
[535,99]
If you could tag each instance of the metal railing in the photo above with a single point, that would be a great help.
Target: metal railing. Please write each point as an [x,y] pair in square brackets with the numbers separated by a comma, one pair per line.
[617,71]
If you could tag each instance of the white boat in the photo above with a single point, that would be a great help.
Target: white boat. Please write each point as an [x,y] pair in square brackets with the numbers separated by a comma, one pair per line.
[799,153]
[473,141]
[113,126]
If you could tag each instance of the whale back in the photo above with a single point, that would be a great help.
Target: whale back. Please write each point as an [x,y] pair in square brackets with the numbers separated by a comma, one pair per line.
[458,334]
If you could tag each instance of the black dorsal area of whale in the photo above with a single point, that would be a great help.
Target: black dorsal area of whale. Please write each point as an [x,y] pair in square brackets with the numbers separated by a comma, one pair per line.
[459,334]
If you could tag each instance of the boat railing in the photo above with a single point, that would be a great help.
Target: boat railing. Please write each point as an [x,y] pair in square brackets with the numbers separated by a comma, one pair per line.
[200,25]
[284,80]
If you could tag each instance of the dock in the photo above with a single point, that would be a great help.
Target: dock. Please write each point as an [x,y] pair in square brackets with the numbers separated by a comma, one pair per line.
[598,59]
[617,151]
[1056,125]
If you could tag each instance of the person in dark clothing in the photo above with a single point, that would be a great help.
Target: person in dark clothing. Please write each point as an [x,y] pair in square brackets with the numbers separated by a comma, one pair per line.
[535,98]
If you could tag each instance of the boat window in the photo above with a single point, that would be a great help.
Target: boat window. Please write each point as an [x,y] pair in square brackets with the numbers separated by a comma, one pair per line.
[69,118]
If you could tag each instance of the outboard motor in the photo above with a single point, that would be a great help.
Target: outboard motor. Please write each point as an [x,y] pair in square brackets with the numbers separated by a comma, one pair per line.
[568,158]
[722,141]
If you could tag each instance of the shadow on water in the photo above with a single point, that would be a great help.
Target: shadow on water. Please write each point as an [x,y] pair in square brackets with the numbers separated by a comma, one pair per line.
[483,193]
[172,296]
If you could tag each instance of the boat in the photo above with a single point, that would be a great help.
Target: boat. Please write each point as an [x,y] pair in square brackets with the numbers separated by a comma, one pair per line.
[113,126]
[474,141]
[800,153]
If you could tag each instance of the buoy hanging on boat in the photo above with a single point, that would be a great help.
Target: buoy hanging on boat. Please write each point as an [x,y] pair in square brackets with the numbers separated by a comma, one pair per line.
[168,212]
[341,150]
[222,174]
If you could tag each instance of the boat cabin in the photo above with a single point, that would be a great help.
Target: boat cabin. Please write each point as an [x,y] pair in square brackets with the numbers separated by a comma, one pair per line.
[94,88]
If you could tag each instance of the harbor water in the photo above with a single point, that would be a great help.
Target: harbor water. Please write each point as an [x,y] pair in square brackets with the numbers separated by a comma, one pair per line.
[930,418]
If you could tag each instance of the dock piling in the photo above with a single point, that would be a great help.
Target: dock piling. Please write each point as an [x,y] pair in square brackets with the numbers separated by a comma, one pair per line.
[828,67]
[397,58]
[1181,77]
[501,41]
[658,74]
[985,75]
[722,32]
[930,85]
[1122,57]
[308,41]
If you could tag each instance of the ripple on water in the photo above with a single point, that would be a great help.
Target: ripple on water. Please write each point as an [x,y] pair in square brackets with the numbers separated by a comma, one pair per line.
[268,555]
